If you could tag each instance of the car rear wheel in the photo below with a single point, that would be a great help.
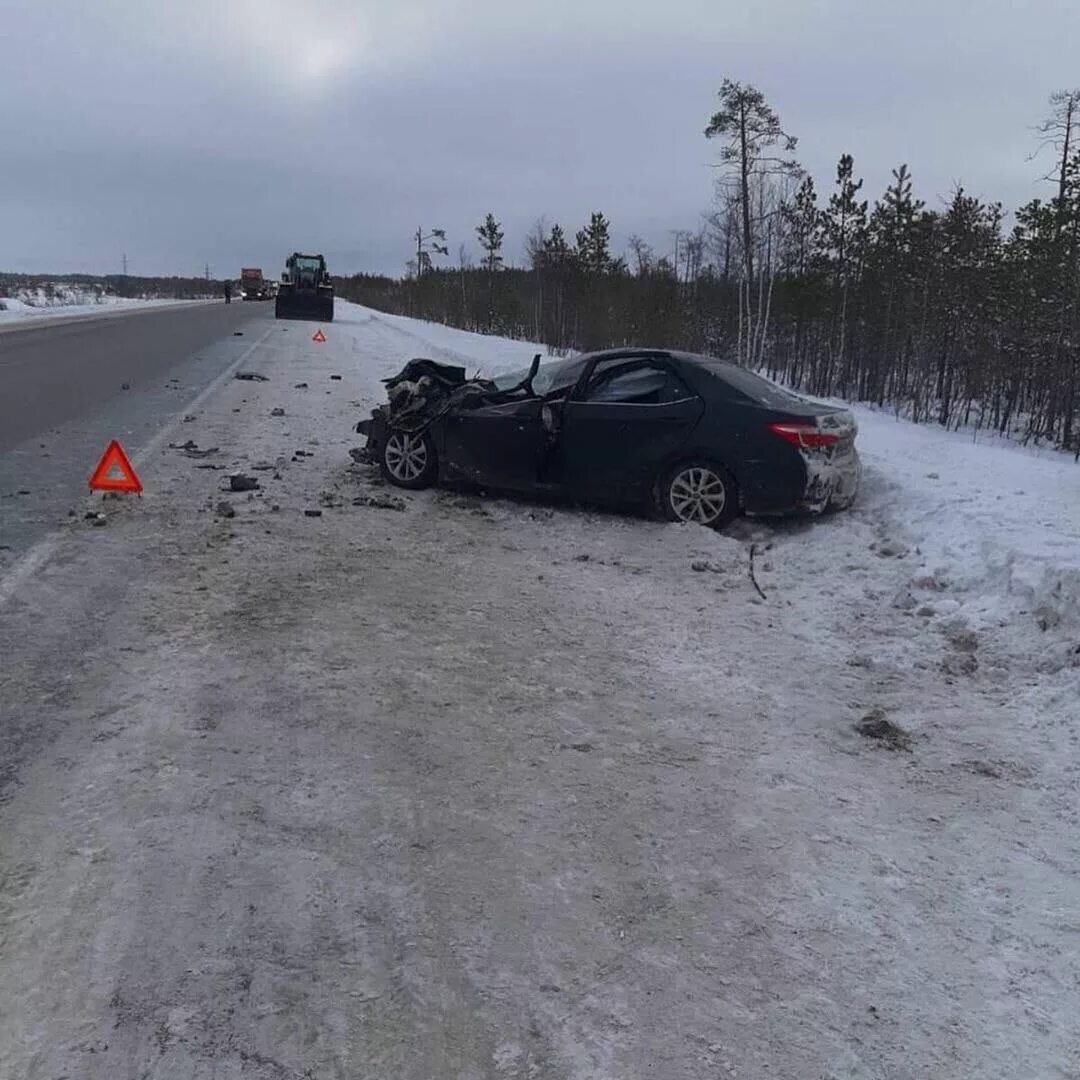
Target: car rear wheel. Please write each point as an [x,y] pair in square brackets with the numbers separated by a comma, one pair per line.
[408,460]
[700,492]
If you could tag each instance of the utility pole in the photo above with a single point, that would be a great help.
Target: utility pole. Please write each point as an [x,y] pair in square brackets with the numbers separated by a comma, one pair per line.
[207,271]
[125,264]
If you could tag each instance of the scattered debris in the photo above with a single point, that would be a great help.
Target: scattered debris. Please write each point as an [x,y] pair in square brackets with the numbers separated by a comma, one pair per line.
[330,499]
[312,513]
[251,376]
[263,466]
[96,518]
[380,502]
[586,558]
[336,378]
[580,747]
[188,418]
[300,386]
[277,412]
[753,578]
[361,455]
[23,491]
[225,509]
[238,333]
[240,482]
[875,725]
[209,465]
[190,448]
[702,566]
[125,386]
[984,768]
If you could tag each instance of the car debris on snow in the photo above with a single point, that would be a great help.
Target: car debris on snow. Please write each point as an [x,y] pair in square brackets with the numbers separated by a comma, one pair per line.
[242,482]
[188,418]
[300,386]
[312,513]
[191,449]
[251,376]
[336,378]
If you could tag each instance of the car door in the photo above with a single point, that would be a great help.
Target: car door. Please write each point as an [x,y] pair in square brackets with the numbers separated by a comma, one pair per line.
[501,446]
[618,429]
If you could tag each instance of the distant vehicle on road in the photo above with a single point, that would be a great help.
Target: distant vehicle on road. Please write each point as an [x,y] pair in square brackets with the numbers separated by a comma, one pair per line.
[252,284]
[694,437]
[306,290]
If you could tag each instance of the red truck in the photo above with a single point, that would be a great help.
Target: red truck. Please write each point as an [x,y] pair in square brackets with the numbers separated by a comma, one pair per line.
[252,284]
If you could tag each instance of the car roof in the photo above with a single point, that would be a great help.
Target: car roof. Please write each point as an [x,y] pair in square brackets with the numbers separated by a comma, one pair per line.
[713,363]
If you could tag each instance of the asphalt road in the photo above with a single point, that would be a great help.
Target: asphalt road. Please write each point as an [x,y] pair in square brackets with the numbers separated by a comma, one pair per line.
[68,387]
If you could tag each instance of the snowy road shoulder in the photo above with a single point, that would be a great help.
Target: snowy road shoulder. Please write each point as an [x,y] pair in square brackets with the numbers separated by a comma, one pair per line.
[464,786]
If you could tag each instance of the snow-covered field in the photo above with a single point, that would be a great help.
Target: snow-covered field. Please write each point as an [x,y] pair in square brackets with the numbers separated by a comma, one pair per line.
[67,301]
[466,787]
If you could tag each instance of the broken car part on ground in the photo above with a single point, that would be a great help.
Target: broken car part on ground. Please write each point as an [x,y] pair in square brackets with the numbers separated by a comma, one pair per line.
[691,437]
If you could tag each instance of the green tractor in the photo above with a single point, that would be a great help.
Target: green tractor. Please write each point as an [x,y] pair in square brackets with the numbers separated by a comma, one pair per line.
[306,291]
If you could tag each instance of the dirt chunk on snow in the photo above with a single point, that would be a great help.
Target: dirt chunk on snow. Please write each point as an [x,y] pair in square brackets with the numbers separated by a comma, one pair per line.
[225,509]
[877,726]
[251,376]
[380,502]
[961,663]
[962,639]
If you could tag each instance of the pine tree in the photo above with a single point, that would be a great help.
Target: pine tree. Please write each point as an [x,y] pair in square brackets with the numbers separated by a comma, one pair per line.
[594,246]
[490,235]
[843,233]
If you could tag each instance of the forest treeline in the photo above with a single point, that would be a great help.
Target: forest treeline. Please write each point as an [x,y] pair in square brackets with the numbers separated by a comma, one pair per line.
[122,285]
[944,314]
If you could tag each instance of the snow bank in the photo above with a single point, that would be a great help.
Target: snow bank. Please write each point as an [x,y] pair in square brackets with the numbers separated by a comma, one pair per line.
[67,300]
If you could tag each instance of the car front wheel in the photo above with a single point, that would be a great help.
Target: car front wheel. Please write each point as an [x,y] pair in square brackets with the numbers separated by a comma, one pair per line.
[700,492]
[408,460]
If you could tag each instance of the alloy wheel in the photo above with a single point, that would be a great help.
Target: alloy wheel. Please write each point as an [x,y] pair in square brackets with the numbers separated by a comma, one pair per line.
[697,494]
[406,456]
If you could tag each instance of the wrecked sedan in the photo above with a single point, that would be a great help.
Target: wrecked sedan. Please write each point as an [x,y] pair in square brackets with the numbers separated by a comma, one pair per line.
[692,437]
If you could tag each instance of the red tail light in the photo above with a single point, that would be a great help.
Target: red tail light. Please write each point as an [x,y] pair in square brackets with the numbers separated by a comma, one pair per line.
[805,436]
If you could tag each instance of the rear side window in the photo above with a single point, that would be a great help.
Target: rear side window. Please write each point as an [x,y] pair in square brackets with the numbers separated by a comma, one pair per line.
[755,387]
[635,383]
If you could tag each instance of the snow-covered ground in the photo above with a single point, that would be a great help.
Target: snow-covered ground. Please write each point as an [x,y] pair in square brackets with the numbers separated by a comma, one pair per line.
[67,301]
[437,785]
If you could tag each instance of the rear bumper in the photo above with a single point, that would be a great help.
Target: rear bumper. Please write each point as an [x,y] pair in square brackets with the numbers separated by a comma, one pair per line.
[831,483]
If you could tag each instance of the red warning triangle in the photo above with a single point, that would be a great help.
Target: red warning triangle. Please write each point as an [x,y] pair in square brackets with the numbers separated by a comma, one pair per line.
[318,336]
[114,472]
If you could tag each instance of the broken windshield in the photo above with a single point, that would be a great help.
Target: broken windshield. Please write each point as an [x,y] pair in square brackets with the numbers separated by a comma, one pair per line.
[549,379]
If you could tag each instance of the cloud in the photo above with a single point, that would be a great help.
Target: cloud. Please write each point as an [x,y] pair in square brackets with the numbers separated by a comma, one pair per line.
[236,130]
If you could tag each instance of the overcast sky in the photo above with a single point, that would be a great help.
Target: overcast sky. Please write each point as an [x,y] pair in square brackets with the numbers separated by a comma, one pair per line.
[182,132]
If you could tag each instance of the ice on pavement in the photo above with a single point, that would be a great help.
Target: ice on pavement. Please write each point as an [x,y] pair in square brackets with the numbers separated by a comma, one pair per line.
[490,787]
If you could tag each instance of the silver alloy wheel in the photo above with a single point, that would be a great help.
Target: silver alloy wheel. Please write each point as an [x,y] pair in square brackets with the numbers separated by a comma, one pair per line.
[406,456]
[697,494]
